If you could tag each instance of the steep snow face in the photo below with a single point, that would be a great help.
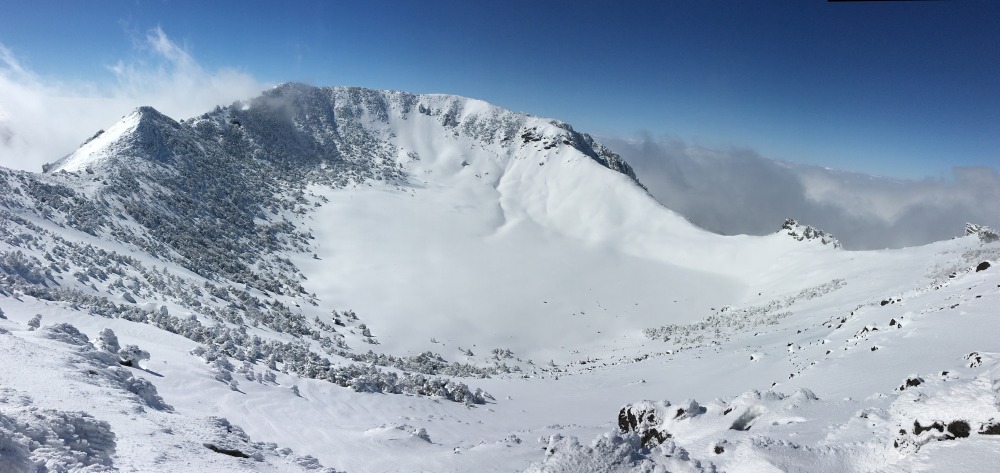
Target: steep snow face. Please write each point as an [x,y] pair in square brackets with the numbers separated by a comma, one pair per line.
[99,147]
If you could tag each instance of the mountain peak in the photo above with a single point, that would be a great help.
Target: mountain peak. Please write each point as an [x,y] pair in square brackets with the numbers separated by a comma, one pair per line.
[148,113]
[140,134]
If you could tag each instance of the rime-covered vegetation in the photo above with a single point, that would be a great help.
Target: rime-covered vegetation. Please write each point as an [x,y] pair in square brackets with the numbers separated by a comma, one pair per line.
[728,321]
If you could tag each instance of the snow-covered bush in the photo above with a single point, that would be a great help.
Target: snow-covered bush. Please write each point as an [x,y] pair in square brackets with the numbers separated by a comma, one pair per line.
[223,370]
[23,268]
[54,441]
[141,387]
[67,333]
[107,341]
[35,322]
[421,433]
[131,355]
[615,451]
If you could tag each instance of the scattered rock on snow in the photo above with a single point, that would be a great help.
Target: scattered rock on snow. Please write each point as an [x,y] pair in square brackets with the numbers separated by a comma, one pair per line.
[226,451]
[912,381]
[990,429]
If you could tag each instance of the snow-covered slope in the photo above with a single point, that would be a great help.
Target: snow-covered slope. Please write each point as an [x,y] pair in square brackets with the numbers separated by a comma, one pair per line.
[358,280]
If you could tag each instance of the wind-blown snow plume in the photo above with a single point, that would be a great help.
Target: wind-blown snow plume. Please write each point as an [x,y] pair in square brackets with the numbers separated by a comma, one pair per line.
[738,191]
[43,119]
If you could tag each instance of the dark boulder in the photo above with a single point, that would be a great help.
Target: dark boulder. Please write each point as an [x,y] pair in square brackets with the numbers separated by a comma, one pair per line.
[959,429]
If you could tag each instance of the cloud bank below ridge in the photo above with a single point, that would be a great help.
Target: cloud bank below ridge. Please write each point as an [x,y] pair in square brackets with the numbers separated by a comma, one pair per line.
[738,191]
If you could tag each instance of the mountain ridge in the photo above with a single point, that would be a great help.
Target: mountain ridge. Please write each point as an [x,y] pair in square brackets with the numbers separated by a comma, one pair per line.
[315,110]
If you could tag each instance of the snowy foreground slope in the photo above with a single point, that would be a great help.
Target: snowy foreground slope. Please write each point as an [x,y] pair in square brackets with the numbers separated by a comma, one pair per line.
[341,279]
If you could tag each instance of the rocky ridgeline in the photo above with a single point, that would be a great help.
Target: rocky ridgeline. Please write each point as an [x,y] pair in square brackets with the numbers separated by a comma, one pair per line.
[806,233]
[984,233]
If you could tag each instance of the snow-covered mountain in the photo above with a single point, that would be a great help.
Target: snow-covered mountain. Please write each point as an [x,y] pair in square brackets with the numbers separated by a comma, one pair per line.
[358,280]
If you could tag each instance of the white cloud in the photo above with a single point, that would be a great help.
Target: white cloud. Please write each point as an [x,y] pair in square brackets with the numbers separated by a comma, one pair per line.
[43,119]
[738,191]
[890,200]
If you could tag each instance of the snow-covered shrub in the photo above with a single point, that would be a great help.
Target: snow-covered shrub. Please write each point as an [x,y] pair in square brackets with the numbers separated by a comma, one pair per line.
[422,434]
[55,441]
[35,322]
[615,452]
[66,333]
[131,355]
[246,369]
[308,462]
[142,388]
[23,268]
[502,353]
[104,368]
[269,377]
[223,369]
[107,341]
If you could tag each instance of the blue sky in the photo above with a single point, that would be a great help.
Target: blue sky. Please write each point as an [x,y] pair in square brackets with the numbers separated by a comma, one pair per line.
[906,89]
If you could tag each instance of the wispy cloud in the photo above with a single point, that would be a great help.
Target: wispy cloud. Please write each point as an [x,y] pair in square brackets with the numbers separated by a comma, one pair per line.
[737,191]
[42,119]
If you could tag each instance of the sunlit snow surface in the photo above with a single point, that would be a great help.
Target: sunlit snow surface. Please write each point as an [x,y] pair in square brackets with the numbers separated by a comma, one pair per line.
[781,355]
